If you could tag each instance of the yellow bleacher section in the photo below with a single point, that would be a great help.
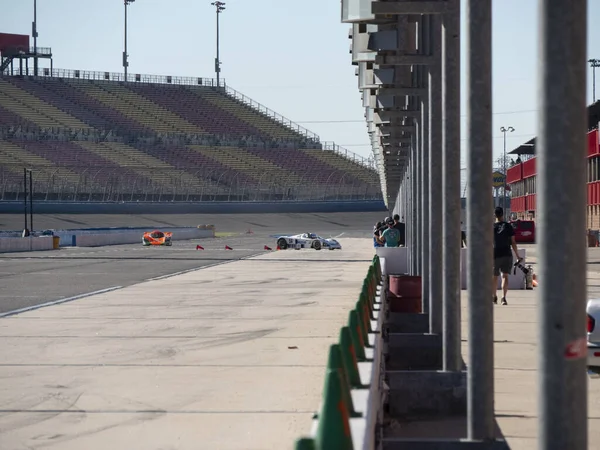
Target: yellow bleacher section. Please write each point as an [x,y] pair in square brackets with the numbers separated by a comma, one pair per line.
[252,165]
[246,113]
[146,165]
[138,108]
[36,110]
[346,165]
[13,155]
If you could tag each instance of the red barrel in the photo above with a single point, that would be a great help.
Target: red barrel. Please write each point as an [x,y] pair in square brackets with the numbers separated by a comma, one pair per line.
[405,286]
[412,305]
[405,294]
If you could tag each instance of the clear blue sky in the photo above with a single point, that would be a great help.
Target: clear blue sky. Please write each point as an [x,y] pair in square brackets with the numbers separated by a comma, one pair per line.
[291,56]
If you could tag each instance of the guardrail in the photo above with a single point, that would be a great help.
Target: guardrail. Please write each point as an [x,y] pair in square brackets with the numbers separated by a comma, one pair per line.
[369,163]
[117,76]
[272,114]
[353,393]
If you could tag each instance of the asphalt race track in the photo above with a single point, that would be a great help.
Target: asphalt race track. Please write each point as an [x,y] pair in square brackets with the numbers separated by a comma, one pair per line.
[33,278]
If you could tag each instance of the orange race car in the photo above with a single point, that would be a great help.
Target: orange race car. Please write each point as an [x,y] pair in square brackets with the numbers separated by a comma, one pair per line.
[157,238]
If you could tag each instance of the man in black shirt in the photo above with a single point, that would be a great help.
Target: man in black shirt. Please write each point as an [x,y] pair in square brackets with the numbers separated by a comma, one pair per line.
[504,240]
[401,227]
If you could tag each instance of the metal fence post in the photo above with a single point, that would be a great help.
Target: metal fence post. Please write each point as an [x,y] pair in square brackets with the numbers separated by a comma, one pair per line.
[562,212]
[451,183]
[435,180]
[425,203]
[417,200]
[413,207]
[480,403]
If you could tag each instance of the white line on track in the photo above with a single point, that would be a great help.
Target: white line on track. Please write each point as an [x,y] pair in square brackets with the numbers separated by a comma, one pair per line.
[58,302]
[195,269]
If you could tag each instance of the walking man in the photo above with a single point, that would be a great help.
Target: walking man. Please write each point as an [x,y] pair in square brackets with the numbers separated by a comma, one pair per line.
[504,240]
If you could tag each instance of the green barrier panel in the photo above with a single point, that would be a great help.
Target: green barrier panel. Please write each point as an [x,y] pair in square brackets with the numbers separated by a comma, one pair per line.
[306,444]
[357,336]
[335,363]
[369,306]
[370,279]
[363,315]
[349,358]
[333,430]
[367,289]
[361,324]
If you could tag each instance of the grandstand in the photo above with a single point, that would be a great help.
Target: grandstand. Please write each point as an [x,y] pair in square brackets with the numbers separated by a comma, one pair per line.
[90,136]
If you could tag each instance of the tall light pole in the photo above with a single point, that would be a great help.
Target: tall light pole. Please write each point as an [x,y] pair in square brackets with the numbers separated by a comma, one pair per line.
[594,63]
[220,7]
[34,33]
[505,130]
[125,55]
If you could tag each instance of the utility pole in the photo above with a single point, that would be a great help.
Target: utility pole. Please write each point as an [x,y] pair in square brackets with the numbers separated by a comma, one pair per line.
[504,131]
[125,55]
[593,64]
[34,33]
[220,7]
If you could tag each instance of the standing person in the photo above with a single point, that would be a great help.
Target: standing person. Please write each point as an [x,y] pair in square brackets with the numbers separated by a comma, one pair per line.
[504,240]
[463,235]
[390,236]
[376,234]
[401,227]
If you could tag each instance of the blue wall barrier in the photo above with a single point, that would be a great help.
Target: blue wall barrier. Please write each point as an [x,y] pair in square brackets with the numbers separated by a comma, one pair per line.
[11,207]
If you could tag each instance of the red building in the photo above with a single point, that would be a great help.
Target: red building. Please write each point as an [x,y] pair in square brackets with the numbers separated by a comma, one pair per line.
[522,177]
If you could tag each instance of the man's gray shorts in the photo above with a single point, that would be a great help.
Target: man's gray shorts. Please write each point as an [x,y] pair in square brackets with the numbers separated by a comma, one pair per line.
[503,264]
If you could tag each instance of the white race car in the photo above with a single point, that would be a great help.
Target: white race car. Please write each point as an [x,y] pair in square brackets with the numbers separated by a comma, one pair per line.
[593,334]
[307,240]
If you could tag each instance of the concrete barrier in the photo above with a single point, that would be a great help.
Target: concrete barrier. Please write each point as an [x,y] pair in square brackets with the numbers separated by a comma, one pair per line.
[51,207]
[28,244]
[129,237]
[395,261]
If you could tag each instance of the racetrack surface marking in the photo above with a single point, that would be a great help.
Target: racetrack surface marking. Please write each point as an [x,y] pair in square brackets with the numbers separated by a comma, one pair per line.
[58,302]
[181,272]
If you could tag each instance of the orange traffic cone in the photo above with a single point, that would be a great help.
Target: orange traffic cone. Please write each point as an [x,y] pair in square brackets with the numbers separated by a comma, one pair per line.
[227,247]
[278,247]
[267,247]
[199,247]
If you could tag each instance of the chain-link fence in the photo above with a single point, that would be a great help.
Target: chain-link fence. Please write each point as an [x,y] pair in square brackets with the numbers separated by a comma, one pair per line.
[194,184]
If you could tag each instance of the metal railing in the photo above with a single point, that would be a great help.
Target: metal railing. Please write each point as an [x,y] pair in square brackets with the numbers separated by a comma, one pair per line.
[168,79]
[143,184]
[118,76]
[272,114]
[368,163]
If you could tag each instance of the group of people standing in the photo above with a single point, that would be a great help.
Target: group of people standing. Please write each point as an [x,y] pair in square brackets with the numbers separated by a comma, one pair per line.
[392,233]
[389,233]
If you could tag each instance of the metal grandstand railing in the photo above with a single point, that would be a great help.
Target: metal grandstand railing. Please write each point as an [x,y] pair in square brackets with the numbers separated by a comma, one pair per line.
[369,163]
[143,184]
[272,114]
[116,76]
[168,79]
